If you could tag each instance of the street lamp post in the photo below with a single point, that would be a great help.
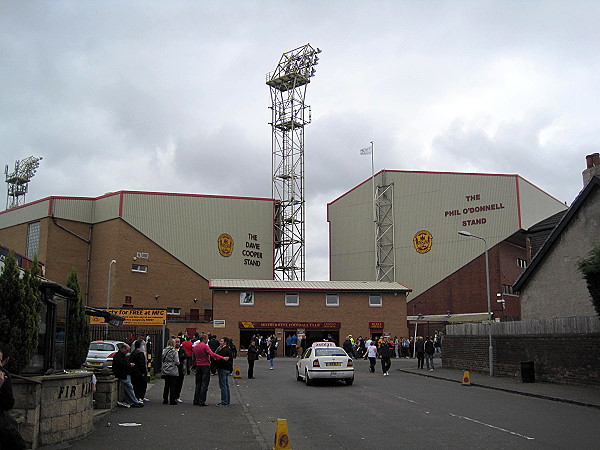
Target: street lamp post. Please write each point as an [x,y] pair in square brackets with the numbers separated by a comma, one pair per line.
[489,305]
[114,261]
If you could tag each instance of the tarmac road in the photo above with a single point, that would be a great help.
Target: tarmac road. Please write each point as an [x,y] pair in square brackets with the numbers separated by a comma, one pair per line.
[400,411]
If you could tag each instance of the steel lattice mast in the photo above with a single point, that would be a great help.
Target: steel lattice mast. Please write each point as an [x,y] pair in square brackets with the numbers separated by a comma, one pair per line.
[18,180]
[289,115]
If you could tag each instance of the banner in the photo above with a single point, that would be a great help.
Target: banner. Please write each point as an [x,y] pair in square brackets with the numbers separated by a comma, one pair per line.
[135,316]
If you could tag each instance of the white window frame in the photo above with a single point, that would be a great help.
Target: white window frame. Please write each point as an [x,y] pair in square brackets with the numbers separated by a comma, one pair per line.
[289,296]
[139,268]
[335,296]
[247,298]
[173,311]
[375,304]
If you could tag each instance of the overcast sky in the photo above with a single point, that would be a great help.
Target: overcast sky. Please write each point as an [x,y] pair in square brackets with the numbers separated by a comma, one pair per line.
[171,95]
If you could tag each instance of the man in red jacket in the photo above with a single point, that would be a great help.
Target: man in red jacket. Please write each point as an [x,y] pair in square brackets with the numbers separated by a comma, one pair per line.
[187,346]
[201,355]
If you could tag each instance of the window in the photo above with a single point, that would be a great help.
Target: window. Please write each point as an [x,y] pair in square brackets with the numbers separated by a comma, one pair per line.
[247,298]
[139,268]
[292,300]
[521,263]
[332,300]
[174,311]
[375,300]
[33,240]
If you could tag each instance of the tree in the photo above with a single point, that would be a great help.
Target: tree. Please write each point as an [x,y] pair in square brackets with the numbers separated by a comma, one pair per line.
[20,306]
[590,268]
[79,333]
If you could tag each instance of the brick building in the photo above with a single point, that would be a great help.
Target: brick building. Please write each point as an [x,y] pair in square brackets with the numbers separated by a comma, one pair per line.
[316,309]
[146,249]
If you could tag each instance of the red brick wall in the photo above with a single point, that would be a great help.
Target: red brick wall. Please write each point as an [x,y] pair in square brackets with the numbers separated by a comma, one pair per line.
[354,311]
[571,359]
[465,290]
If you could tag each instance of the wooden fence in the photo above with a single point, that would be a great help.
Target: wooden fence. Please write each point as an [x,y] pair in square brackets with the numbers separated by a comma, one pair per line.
[562,325]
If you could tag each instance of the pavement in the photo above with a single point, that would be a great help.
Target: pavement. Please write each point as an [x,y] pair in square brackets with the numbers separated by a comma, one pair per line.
[572,394]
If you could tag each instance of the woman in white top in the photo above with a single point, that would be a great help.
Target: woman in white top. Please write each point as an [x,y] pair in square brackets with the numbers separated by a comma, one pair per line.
[371,353]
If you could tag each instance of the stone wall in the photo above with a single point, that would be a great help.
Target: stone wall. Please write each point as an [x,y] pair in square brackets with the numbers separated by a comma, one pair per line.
[566,358]
[56,410]
[108,392]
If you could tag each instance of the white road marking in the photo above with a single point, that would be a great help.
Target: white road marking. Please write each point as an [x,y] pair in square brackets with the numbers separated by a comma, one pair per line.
[492,426]
[405,399]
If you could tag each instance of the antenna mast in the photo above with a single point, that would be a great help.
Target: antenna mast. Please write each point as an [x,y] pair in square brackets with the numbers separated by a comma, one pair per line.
[18,180]
[289,115]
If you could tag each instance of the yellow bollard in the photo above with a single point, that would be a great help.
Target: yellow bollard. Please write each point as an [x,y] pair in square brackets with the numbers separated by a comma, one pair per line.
[237,373]
[466,380]
[282,439]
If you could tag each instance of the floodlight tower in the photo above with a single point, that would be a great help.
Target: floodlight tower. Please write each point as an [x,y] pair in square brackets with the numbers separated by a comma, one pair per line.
[18,180]
[289,115]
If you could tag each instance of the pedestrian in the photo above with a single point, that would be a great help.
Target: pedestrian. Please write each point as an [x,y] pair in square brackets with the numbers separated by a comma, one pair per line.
[294,348]
[10,438]
[347,346]
[420,350]
[139,371]
[170,372]
[405,346]
[411,347]
[429,351]
[288,345]
[371,353]
[437,343]
[213,343]
[202,355]
[187,346]
[224,369]
[180,369]
[121,369]
[253,352]
[385,353]
[271,351]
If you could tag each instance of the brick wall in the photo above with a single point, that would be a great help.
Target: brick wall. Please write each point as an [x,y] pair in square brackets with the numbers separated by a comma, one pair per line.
[568,359]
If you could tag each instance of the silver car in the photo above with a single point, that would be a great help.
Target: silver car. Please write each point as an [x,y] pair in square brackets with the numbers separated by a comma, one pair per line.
[101,353]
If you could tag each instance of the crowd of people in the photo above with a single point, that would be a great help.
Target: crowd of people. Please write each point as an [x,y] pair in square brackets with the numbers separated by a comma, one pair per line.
[206,356]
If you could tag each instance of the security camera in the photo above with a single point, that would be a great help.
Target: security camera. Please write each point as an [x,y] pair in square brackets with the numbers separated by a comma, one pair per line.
[156,296]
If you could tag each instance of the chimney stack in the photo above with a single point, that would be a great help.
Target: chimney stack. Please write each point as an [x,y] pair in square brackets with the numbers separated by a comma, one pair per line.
[593,167]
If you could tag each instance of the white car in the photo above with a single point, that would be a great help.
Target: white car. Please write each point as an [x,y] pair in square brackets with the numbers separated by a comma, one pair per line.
[101,353]
[324,360]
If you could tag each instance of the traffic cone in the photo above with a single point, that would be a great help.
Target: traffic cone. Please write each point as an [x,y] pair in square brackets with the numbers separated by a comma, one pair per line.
[237,373]
[282,439]
[466,379]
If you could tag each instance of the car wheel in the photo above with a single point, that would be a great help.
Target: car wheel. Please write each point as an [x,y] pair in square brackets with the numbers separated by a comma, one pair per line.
[298,377]
[307,380]
[349,381]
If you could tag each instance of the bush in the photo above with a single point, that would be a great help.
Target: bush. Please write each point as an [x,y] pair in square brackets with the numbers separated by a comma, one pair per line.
[79,333]
[590,268]
[20,306]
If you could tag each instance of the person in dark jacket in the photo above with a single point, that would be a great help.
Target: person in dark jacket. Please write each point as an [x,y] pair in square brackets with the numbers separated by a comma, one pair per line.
[181,368]
[139,371]
[420,350]
[385,353]
[10,438]
[429,351]
[253,353]
[213,343]
[224,369]
[121,369]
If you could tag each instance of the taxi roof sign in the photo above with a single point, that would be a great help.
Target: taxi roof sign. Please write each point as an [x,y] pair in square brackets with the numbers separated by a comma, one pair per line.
[324,344]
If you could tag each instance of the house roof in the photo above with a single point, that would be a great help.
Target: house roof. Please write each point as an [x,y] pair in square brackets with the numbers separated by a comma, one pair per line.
[277,285]
[562,224]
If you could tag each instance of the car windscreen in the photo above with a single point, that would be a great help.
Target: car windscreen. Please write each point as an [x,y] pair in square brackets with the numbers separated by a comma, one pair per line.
[102,347]
[330,352]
